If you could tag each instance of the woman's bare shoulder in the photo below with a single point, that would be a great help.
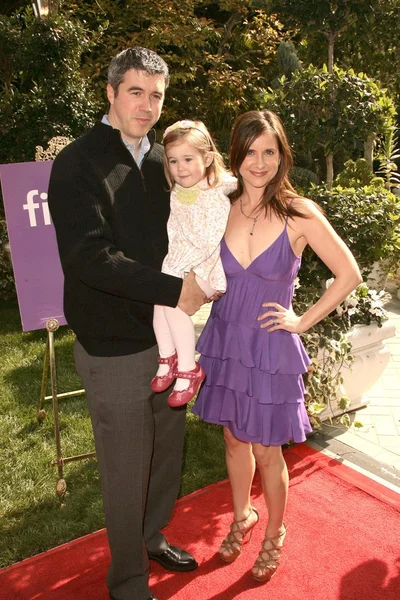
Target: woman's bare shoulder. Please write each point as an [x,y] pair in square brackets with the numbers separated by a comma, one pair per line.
[306,206]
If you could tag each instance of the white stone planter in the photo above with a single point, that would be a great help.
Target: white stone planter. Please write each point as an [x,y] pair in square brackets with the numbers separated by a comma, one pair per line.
[370,359]
[378,277]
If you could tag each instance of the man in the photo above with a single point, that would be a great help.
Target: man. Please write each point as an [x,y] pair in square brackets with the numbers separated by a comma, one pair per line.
[109,203]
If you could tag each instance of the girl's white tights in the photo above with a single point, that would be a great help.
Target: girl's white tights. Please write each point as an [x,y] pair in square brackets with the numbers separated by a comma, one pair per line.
[174,330]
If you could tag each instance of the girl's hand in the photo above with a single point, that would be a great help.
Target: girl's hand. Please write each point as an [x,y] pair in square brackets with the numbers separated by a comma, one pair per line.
[278,317]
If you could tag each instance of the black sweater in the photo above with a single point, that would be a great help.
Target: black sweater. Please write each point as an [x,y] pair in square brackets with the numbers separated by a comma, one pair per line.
[110,219]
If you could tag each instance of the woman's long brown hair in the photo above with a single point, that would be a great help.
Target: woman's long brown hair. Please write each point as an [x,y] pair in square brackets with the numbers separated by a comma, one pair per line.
[279,192]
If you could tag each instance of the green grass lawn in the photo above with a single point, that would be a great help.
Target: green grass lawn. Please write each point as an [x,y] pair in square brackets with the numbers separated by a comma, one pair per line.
[31,519]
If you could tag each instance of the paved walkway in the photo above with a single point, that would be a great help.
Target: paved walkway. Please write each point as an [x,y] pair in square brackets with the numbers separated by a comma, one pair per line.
[379,437]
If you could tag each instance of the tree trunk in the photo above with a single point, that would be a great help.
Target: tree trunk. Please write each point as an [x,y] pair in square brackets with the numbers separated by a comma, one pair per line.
[235,18]
[329,157]
[331,45]
[369,145]
[329,170]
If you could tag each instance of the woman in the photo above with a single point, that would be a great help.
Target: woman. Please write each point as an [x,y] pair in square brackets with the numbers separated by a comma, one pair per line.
[250,347]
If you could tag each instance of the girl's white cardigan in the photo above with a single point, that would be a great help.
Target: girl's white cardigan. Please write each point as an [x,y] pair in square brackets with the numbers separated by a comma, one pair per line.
[196,227]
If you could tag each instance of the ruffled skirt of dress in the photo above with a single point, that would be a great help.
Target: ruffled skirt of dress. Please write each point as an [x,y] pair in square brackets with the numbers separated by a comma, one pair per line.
[254,383]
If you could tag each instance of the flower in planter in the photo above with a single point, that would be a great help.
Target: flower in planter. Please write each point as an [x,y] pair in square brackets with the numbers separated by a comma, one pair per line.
[362,306]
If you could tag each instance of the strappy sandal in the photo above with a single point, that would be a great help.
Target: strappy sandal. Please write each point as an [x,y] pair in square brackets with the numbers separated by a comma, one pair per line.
[267,561]
[232,545]
[160,383]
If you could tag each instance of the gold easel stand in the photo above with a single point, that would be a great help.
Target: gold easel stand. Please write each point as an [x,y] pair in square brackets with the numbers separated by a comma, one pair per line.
[49,360]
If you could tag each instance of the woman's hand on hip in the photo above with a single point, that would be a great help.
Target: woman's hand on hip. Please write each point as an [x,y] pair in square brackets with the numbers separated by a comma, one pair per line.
[278,317]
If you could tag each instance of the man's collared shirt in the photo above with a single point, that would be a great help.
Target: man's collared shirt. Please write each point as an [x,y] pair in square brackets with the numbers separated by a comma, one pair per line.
[144,146]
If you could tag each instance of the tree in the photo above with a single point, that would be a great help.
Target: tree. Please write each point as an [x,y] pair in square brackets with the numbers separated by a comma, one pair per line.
[327,17]
[43,93]
[346,25]
[362,35]
[360,109]
[379,58]
[287,59]
[221,55]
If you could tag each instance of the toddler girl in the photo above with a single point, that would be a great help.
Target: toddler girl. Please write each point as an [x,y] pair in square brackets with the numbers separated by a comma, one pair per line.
[199,213]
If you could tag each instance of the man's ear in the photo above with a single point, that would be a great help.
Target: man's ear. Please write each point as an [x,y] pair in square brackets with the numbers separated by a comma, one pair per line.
[110,93]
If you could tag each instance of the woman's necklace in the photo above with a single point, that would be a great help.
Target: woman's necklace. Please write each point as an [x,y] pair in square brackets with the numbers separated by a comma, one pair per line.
[254,219]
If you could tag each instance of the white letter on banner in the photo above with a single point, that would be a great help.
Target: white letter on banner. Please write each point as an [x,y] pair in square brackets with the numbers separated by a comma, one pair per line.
[45,207]
[31,206]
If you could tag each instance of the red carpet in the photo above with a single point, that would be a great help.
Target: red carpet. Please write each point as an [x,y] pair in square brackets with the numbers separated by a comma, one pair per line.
[343,543]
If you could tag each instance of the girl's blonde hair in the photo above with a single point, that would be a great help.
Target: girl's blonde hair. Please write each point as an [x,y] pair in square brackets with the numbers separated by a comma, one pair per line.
[197,135]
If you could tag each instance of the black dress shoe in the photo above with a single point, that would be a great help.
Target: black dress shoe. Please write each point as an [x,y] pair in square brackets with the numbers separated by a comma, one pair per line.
[175,559]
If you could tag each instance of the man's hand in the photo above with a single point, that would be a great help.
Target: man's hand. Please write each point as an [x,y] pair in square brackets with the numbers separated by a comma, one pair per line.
[192,296]
[215,297]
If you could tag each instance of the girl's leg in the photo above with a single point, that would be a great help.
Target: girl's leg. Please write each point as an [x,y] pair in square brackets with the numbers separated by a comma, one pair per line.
[275,483]
[241,466]
[183,336]
[166,346]
[205,286]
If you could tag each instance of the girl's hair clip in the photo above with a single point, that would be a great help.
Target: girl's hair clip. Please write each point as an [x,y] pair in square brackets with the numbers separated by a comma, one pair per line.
[185,124]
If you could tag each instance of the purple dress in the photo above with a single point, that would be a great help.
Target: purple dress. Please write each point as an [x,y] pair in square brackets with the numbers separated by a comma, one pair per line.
[253,379]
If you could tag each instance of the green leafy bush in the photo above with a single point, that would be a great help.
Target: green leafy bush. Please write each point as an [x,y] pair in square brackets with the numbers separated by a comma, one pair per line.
[7,287]
[43,91]
[357,174]
[366,218]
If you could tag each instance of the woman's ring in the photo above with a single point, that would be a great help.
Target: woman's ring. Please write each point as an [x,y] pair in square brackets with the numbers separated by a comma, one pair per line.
[275,322]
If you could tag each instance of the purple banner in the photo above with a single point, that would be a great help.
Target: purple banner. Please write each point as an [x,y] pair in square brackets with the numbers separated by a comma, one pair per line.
[37,269]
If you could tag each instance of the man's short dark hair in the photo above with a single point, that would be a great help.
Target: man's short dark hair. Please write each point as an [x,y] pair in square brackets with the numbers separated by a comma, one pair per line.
[141,59]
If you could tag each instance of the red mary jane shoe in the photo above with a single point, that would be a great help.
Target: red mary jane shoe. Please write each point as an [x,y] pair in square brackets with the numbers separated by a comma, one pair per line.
[180,398]
[160,383]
